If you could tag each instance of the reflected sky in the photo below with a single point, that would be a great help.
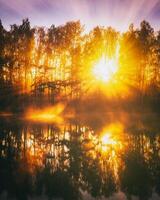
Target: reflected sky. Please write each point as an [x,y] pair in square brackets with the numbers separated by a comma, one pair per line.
[116,13]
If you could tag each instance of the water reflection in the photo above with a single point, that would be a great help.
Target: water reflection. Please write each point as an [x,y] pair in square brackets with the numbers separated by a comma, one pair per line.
[67,160]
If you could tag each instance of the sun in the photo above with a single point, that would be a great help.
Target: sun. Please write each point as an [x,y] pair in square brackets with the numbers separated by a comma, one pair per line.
[105,69]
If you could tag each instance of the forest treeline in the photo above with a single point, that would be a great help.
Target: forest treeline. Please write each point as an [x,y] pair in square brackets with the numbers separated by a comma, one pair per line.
[57,61]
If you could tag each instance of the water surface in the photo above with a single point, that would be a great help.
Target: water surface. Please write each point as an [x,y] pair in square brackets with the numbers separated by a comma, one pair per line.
[80,160]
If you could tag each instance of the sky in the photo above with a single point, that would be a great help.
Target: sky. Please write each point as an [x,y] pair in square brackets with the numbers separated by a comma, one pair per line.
[116,13]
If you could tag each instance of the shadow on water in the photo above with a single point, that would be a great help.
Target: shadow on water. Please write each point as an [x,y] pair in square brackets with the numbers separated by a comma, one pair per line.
[75,160]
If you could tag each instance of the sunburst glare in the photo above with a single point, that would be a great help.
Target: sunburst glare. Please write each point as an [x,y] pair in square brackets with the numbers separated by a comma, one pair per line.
[105,69]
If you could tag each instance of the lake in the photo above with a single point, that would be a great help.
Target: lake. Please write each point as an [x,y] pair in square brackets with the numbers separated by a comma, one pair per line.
[81,159]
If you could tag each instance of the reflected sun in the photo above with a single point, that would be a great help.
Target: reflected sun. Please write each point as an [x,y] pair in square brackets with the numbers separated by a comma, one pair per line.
[107,139]
[111,138]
